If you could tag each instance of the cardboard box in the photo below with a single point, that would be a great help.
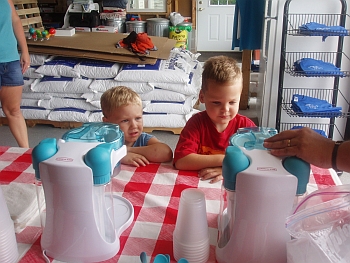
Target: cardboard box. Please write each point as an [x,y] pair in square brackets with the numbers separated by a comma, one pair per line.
[65,32]
[74,53]
[106,29]
[82,29]
[93,45]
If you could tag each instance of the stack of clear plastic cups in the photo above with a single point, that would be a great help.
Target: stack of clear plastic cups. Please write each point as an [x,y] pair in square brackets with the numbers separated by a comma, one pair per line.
[191,234]
[8,244]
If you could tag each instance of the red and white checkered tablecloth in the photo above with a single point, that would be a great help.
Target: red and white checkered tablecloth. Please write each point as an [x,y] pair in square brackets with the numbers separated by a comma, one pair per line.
[153,190]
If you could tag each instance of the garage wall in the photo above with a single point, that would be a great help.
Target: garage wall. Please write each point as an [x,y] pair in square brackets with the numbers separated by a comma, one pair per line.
[186,8]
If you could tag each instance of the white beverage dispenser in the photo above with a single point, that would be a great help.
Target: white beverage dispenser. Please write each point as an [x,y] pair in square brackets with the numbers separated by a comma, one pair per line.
[259,191]
[83,218]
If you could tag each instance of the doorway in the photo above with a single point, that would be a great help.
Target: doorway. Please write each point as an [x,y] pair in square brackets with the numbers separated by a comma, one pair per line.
[214,24]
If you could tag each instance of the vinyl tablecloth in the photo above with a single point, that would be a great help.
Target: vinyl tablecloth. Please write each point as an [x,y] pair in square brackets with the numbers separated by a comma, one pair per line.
[154,191]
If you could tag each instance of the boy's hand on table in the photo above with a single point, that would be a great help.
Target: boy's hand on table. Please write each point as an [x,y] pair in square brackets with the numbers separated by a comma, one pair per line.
[214,174]
[135,159]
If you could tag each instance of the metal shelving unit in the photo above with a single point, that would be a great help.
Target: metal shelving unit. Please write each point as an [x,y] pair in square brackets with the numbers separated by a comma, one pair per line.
[293,26]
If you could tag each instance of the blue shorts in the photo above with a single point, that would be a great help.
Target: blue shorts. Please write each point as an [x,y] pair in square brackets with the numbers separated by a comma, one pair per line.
[11,74]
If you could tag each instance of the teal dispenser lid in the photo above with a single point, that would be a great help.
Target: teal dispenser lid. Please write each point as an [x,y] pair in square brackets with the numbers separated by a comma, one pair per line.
[300,169]
[96,132]
[43,151]
[99,160]
[252,137]
[235,160]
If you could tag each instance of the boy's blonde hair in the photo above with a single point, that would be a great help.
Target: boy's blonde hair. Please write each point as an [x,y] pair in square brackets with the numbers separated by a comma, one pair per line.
[220,69]
[117,97]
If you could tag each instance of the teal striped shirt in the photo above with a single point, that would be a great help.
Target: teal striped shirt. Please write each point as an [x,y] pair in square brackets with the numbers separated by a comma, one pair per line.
[8,41]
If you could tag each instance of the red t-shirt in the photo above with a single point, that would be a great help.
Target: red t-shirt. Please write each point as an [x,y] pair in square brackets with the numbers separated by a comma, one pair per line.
[200,135]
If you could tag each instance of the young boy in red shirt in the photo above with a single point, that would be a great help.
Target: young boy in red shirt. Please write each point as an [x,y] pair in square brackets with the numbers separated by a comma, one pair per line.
[206,135]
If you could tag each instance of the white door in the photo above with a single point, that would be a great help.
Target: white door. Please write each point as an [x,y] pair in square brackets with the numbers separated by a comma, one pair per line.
[214,25]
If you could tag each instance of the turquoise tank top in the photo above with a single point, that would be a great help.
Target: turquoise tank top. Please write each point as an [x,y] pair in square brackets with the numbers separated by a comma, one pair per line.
[8,42]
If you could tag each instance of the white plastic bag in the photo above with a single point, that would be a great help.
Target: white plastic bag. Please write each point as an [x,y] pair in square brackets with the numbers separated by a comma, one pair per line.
[320,227]
[176,18]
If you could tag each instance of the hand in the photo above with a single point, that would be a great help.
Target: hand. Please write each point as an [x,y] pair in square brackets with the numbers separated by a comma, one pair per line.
[213,173]
[135,160]
[25,62]
[303,143]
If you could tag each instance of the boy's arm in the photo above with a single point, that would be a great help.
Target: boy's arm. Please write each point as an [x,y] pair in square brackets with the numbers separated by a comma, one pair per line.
[194,161]
[209,166]
[155,151]
[134,159]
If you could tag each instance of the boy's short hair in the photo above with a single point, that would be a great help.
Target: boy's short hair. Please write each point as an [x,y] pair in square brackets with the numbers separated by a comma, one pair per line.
[117,97]
[220,69]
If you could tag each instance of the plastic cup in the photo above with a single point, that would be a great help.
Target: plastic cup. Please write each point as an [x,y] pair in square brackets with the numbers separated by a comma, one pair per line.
[191,234]
[197,253]
[8,243]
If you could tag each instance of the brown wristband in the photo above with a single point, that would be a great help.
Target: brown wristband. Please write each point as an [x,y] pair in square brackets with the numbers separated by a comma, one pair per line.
[334,155]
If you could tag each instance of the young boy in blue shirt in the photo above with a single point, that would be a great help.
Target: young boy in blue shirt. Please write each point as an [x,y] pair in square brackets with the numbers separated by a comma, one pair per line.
[123,106]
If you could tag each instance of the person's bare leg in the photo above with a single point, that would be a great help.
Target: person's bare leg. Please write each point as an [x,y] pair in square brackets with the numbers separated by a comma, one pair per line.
[10,98]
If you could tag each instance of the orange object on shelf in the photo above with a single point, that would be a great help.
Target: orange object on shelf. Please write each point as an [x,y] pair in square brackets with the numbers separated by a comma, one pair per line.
[256,54]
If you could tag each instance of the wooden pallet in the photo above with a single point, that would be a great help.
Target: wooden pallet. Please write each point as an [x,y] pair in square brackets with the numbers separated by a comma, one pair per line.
[56,124]
[29,13]
[72,124]
[151,129]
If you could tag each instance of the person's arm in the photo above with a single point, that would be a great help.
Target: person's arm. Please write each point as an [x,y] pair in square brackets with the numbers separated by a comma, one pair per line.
[134,159]
[155,151]
[21,39]
[343,157]
[309,146]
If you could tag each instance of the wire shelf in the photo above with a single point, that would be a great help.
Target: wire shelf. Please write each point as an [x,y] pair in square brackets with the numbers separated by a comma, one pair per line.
[297,20]
[322,94]
[325,127]
[330,57]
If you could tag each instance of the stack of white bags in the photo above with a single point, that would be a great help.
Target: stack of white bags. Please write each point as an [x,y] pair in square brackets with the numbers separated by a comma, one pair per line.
[68,89]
